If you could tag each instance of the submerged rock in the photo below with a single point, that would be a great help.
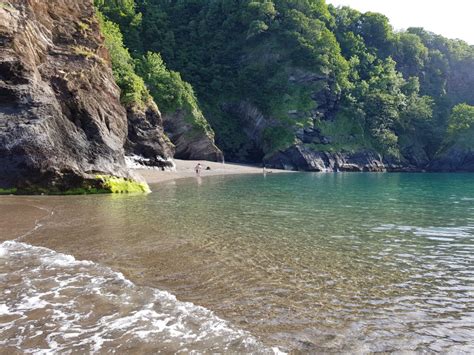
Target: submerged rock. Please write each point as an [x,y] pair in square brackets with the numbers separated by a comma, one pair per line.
[61,121]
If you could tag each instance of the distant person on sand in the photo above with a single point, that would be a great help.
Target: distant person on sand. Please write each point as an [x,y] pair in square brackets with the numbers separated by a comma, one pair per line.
[198,169]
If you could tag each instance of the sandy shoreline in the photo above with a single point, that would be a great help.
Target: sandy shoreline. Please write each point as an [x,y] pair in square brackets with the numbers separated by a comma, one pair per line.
[185,169]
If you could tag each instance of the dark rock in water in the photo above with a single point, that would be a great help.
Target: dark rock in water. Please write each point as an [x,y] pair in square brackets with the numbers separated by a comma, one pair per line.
[146,138]
[300,157]
[415,156]
[191,142]
[303,158]
[453,159]
[61,122]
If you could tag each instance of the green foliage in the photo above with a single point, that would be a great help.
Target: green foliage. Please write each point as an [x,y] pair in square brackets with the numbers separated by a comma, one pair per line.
[132,86]
[84,27]
[166,87]
[170,92]
[246,51]
[346,133]
[461,119]
[123,13]
[85,52]
[298,63]
[410,53]
[277,138]
[8,191]
[376,31]
[261,13]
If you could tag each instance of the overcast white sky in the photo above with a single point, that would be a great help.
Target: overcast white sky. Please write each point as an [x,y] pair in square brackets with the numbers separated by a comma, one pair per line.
[452,19]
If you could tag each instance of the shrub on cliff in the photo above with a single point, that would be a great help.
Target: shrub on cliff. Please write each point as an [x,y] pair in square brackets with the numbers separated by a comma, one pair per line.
[461,125]
[132,86]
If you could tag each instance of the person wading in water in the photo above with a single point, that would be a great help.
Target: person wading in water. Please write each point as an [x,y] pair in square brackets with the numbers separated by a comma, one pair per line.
[198,169]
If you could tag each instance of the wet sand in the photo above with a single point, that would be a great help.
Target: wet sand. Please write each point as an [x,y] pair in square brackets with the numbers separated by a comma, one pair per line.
[185,169]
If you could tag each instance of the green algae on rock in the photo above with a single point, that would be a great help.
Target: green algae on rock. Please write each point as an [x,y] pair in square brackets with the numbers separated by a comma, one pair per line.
[115,184]
[8,191]
[100,184]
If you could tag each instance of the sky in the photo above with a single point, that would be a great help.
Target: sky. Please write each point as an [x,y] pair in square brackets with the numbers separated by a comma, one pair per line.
[452,19]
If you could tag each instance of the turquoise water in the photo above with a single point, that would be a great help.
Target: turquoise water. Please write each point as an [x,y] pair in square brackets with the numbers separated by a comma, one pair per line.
[315,262]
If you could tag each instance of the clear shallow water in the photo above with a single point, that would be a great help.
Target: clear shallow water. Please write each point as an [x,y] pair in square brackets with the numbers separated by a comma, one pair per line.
[316,262]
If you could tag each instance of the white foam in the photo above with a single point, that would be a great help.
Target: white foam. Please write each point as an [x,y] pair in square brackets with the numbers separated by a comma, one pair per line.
[4,310]
[66,292]
[3,252]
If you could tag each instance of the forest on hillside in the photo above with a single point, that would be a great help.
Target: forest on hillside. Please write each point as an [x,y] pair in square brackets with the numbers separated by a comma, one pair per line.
[265,75]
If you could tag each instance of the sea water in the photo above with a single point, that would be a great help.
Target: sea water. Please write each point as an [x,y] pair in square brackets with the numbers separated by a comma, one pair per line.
[315,262]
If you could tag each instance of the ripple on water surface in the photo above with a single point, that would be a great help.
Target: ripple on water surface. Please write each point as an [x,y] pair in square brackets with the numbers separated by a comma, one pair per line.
[61,304]
[316,262]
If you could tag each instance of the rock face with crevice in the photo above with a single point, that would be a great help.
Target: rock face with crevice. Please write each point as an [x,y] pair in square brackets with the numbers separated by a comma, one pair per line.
[194,143]
[453,159]
[61,121]
[146,139]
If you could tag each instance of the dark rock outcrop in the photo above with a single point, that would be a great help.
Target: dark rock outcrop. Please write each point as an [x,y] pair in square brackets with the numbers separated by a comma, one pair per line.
[61,122]
[191,142]
[453,159]
[146,138]
[299,157]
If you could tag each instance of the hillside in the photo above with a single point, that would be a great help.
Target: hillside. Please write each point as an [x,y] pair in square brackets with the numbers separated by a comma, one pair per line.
[303,85]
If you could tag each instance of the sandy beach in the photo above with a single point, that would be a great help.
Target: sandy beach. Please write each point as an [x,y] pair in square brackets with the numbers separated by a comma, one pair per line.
[185,169]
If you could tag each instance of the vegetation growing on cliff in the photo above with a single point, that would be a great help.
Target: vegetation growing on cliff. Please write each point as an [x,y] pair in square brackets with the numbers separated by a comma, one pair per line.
[461,126]
[265,71]
[133,89]
[142,76]
[170,92]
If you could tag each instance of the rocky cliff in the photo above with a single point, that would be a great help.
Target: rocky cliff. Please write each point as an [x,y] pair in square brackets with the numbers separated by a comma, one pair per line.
[147,141]
[312,87]
[300,157]
[191,141]
[453,159]
[61,122]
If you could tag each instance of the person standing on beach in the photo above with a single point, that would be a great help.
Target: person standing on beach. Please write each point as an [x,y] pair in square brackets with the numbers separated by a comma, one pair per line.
[198,169]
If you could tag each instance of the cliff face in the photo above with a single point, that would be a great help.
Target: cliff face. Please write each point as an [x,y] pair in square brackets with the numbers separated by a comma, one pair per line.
[61,121]
[191,142]
[146,138]
[295,82]
[300,157]
[454,160]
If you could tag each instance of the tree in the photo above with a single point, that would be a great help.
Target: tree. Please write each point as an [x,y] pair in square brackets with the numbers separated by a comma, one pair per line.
[299,64]
[133,90]
[461,120]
